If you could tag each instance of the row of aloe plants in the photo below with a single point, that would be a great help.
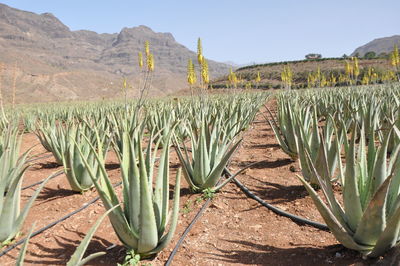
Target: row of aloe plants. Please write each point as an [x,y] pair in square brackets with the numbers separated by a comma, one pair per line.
[350,138]
[204,131]
[317,127]
[12,169]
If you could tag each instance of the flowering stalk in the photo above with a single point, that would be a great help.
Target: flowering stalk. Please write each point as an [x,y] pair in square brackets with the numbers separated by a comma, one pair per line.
[191,75]
[257,79]
[287,77]
[147,73]
[395,60]
[233,80]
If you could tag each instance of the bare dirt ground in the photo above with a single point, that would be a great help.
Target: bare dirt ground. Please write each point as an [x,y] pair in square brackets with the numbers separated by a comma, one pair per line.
[234,230]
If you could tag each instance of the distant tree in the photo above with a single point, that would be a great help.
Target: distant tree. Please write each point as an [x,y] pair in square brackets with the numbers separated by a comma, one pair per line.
[357,55]
[370,55]
[313,56]
[345,56]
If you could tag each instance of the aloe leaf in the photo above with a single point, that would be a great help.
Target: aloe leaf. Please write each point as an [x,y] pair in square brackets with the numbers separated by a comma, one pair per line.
[164,240]
[301,148]
[279,136]
[148,233]
[390,236]
[373,221]
[351,195]
[16,226]
[161,190]
[394,187]
[21,256]
[215,175]
[91,257]
[76,258]
[187,170]
[338,231]
[326,187]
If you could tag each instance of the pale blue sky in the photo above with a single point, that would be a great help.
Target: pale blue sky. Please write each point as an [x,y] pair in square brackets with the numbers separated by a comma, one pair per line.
[242,31]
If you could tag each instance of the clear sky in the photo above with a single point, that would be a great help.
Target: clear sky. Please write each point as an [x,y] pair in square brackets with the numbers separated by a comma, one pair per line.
[242,31]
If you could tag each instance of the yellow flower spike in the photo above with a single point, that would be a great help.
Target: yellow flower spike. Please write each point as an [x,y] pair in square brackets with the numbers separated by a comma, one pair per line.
[200,57]
[394,56]
[140,57]
[204,72]
[355,67]
[232,78]
[191,75]
[150,62]
[258,77]
[124,84]
[287,76]
[147,48]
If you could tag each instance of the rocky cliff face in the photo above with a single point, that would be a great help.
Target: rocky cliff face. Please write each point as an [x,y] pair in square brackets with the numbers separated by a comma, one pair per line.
[51,62]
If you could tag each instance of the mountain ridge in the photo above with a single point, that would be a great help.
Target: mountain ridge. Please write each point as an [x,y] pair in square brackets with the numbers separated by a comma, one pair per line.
[42,47]
[378,46]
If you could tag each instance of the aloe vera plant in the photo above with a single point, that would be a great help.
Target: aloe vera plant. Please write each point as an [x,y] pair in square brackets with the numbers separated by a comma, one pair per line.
[333,139]
[53,138]
[369,220]
[290,115]
[160,121]
[142,221]
[211,150]
[11,216]
[10,142]
[77,146]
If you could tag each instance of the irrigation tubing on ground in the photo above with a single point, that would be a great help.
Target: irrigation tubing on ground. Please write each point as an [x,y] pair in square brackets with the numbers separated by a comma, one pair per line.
[40,182]
[41,230]
[187,230]
[276,210]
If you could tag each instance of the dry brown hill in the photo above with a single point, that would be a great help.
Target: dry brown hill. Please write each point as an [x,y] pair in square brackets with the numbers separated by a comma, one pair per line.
[378,46]
[270,73]
[54,63]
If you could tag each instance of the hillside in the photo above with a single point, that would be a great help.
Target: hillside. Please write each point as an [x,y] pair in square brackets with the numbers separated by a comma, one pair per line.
[51,62]
[270,73]
[379,46]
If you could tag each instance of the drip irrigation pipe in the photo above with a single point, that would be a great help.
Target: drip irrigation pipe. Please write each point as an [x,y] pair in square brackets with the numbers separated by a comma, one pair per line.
[294,218]
[41,230]
[276,210]
[40,182]
[187,230]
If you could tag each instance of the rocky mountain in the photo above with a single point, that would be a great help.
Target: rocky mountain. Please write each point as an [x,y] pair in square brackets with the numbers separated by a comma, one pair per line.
[50,62]
[381,45]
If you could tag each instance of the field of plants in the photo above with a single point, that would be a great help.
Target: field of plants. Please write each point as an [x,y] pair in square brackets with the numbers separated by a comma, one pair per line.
[306,177]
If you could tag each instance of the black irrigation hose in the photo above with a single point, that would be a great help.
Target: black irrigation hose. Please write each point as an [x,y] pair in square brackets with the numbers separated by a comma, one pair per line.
[187,230]
[41,230]
[277,210]
[40,182]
